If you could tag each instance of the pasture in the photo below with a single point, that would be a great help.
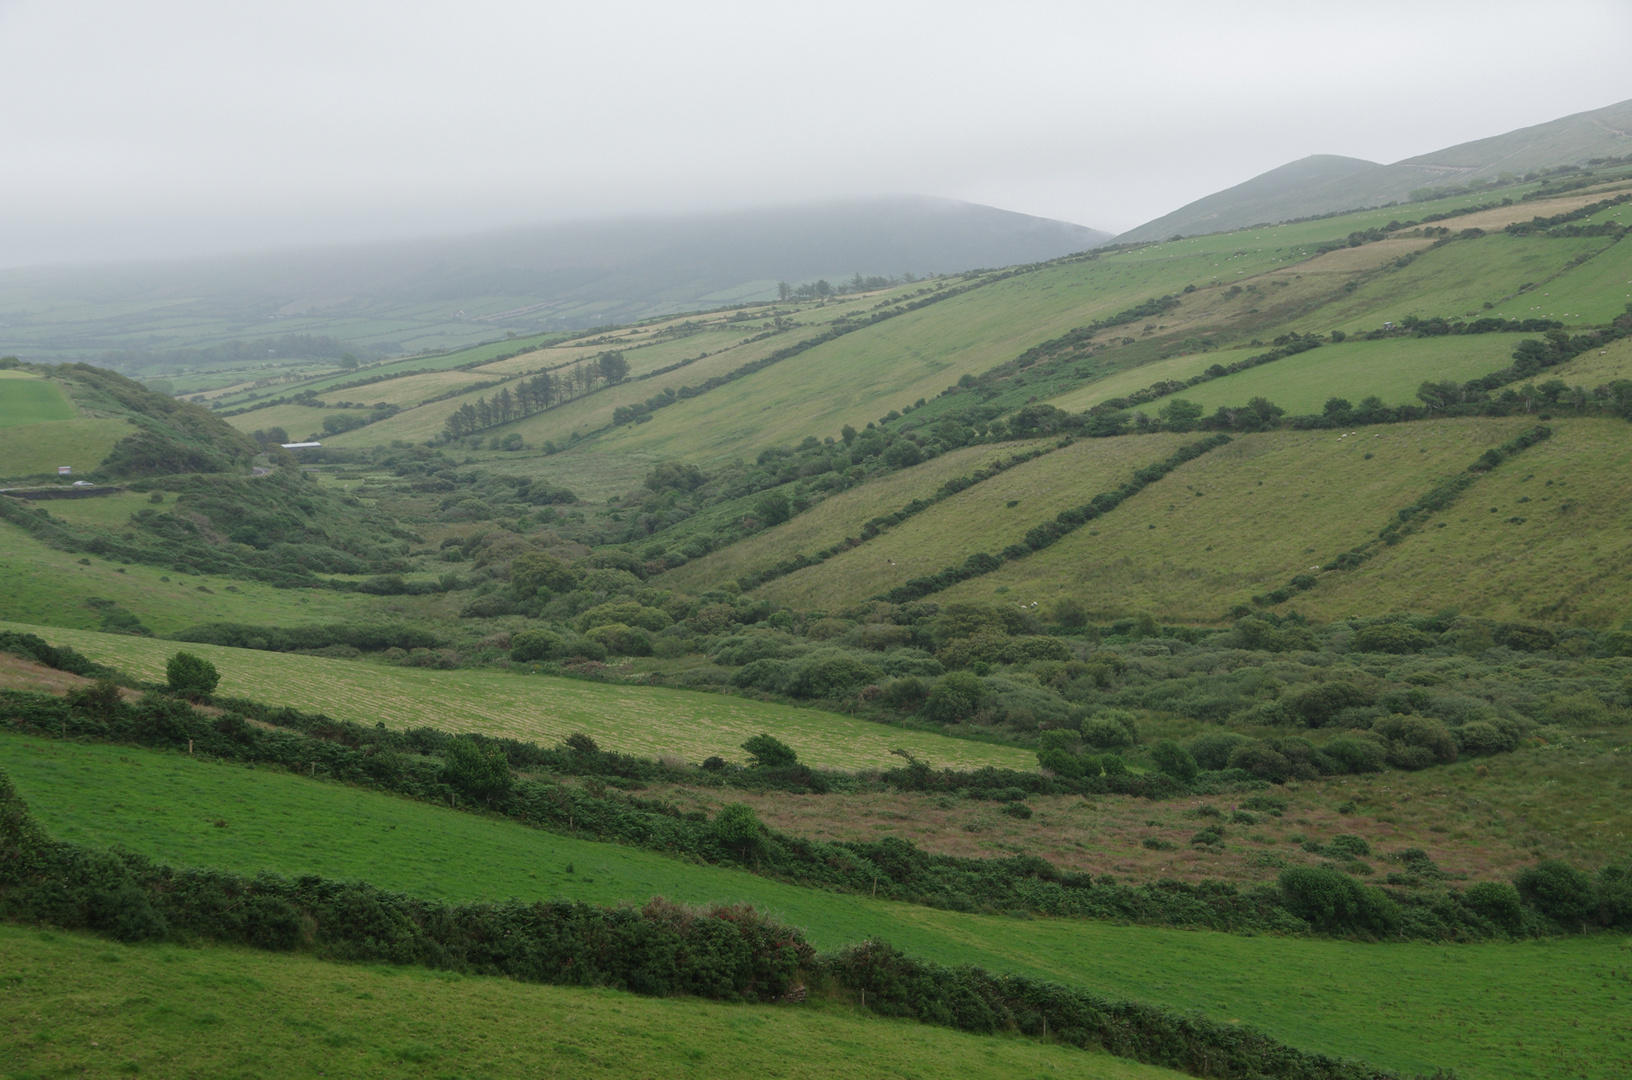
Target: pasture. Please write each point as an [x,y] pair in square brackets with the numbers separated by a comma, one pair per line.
[645,720]
[838,517]
[36,450]
[26,398]
[1245,518]
[44,586]
[1492,1012]
[987,517]
[80,1005]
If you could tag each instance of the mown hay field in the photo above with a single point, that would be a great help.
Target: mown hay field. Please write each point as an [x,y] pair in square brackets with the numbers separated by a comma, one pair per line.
[980,519]
[79,1005]
[1245,518]
[644,720]
[1499,1011]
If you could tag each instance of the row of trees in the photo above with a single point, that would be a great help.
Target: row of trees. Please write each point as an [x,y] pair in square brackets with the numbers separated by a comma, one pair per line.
[542,391]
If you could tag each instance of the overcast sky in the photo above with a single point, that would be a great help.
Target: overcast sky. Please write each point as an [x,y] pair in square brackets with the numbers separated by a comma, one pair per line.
[174,127]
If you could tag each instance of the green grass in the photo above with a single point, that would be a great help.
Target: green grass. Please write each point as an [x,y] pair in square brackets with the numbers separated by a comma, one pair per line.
[975,520]
[634,719]
[1269,506]
[1390,369]
[42,585]
[1569,560]
[37,450]
[1489,1011]
[79,1005]
[837,517]
[30,399]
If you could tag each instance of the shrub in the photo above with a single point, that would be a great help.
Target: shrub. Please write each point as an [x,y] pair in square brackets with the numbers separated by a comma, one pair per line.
[1212,751]
[769,752]
[1332,901]
[954,696]
[761,675]
[1349,845]
[737,827]
[1317,705]
[1261,760]
[480,770]
[1060,762]
[828,676]
[1391,638]
[1111,729]
[1479,737]
[1416,742]
[1497,901]
[1557,890]
[190,676]
[532,645]
[906,693]
[1355,754]
[1173,760]
[621,640]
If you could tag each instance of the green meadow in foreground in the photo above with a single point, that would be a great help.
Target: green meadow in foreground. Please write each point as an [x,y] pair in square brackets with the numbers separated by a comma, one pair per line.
[642,720]
[1496,1011]
[77,1005]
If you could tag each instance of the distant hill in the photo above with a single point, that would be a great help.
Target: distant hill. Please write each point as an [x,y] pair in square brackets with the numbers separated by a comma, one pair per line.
[412,295]
[1323,184]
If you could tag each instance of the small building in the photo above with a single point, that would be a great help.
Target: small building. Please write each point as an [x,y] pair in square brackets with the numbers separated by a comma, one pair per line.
[65,470]
[299,445]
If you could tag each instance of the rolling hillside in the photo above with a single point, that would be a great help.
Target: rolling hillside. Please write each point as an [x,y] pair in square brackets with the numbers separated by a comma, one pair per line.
[1325,184]
[387,299]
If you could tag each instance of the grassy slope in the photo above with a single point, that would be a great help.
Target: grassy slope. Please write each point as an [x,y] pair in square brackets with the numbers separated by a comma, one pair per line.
[36,450]
[979,519]
[633,719]
[837,517]
[40,584]
[1569,560]
[1489,1011]
[76,1004]
[1270,505]
[26,398]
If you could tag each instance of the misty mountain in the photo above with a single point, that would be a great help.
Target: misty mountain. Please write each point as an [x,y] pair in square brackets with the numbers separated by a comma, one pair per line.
[1323,184]
[411,295]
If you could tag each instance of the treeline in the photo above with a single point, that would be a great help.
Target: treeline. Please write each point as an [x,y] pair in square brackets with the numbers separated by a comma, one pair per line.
[1550,226]
[543,391]
[822,288]
[730,953]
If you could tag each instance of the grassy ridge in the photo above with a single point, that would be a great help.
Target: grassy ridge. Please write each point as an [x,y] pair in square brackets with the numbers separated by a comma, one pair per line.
[1220,529]
[1490,1011]
[649,721]
[86,1006]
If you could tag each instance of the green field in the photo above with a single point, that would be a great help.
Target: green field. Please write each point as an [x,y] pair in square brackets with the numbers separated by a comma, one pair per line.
[839,516]
[42,585]
[28,399]
[979,519]
[1489,1011]
[38,450]
[1391,369]
[644,720]
[1245,518]
[78,1005]
[1568,560]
